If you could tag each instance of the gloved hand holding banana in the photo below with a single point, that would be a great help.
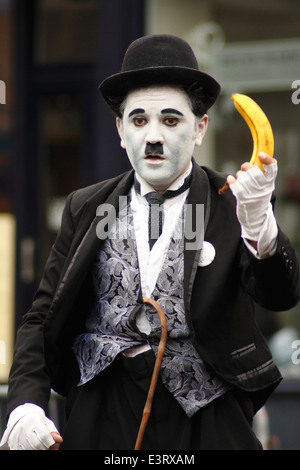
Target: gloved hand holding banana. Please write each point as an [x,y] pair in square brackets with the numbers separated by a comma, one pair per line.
[254,184]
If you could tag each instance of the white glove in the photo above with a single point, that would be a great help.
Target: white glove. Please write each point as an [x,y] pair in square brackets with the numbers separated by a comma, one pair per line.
[28,428]
[253,190]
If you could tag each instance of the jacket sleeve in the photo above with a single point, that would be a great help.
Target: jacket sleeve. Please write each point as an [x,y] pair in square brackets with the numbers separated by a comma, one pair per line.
[274,282]
[29,380]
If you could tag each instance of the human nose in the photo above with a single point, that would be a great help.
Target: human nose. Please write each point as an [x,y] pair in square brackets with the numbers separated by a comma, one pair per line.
[154,134]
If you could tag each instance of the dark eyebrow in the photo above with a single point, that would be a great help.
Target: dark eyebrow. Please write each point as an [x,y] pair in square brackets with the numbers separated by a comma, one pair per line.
[136,111]
[171,111]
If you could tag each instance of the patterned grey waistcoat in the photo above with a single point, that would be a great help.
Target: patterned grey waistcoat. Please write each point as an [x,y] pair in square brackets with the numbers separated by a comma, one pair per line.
[111,326]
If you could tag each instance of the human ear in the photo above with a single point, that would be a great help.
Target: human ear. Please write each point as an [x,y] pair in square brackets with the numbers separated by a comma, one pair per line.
[119,124]
[201,129]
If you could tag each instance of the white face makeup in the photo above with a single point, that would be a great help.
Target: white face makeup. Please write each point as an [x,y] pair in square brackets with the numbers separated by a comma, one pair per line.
[162,116]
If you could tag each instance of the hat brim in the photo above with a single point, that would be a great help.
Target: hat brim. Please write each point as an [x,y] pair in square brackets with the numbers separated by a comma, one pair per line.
[118,85]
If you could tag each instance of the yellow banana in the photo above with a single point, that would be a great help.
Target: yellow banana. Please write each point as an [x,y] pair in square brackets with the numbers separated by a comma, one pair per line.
[261,130]
[257,121]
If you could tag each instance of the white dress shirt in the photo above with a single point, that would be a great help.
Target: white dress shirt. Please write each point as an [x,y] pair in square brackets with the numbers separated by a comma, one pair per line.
[150,261]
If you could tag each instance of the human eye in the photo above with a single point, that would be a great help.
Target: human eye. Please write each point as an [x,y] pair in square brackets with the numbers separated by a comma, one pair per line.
[139,121]
[171,121]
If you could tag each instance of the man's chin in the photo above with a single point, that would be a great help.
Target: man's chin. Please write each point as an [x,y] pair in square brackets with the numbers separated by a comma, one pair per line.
[159,183]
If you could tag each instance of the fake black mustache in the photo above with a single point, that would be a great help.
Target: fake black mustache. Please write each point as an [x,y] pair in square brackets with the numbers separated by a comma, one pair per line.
[154,149]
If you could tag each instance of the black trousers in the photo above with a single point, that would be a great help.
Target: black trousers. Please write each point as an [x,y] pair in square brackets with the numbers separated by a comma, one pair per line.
[105,414]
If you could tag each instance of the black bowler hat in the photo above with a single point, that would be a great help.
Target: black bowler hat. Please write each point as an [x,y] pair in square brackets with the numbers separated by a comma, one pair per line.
[156,60]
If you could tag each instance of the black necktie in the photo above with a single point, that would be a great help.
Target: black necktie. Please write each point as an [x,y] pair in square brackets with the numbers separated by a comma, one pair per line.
[155,220]
[155,201]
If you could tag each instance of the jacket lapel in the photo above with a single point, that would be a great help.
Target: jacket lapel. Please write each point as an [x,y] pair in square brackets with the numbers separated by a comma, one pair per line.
[199,195]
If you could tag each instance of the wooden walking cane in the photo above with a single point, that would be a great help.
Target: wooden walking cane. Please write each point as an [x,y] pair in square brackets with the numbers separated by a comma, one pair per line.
[160,353]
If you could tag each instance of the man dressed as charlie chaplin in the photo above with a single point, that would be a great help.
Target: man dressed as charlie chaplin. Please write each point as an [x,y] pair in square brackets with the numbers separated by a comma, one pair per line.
[90,337]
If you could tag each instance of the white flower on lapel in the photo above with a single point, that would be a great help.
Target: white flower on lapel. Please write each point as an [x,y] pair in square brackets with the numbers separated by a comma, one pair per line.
[207,254]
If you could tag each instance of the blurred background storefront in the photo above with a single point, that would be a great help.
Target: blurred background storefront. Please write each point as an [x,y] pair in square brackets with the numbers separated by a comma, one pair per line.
[57,134]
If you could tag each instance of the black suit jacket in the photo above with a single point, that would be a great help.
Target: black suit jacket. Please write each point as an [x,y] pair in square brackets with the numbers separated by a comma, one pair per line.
[219,298]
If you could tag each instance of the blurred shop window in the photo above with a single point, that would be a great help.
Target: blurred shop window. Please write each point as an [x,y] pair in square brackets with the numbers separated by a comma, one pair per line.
[7,216]
[59,168]
[66,31]
[6,114]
